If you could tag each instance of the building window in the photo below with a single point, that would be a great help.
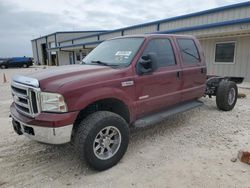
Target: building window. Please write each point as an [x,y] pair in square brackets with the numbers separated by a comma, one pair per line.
[225,52]
[163,50]
[189,51]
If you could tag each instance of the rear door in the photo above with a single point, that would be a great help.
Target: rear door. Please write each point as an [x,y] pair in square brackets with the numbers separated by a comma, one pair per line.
[12,62]
[161,88]
[193,68]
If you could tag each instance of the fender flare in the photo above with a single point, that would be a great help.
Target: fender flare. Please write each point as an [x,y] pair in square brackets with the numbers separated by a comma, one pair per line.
[101,94]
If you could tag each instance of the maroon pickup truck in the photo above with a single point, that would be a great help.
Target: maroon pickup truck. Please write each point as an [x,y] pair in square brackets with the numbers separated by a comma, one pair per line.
[130,81]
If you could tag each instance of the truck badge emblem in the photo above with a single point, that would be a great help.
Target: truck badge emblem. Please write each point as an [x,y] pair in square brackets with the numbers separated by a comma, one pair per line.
[127,83]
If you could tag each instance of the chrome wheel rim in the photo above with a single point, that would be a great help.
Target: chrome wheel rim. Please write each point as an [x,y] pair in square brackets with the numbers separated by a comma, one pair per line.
[107,142]
[231,96]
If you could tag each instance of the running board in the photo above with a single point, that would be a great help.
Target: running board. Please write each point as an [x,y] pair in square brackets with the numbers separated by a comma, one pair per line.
[156,118]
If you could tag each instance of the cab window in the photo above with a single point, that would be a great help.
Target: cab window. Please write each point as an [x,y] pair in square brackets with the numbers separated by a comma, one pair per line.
[163,50]
[189,51]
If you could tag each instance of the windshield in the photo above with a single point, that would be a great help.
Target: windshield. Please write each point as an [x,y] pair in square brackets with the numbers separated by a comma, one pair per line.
[116,52]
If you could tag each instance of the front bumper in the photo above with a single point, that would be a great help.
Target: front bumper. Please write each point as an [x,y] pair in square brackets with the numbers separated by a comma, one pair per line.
[49,128]
[50,135]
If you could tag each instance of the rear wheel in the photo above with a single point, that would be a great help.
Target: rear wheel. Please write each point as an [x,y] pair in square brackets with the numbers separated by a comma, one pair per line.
[226,96]
[3,67]
[102,139]
[25,66]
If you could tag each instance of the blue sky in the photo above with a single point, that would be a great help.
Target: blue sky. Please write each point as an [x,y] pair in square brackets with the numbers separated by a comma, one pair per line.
[21,21]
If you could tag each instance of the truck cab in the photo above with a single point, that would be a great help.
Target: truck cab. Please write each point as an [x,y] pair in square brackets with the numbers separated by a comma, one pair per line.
[176,75]
[126,81]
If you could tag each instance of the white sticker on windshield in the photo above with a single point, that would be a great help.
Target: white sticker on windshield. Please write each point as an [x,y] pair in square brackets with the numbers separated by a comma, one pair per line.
[123,53]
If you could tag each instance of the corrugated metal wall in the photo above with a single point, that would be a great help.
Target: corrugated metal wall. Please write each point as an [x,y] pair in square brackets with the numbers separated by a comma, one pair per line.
[208,38]
[140,30]
[66,43]
[69,36]
[239,28]
[85,40]
[221,16]
[51,38]
[39,48]
[63,58]
[226,15]
[110,35]
[242,57]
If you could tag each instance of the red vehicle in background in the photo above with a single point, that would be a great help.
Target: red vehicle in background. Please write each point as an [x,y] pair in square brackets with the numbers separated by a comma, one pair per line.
[126,81]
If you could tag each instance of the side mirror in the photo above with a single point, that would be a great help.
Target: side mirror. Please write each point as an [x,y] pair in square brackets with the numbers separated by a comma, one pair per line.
[147,64]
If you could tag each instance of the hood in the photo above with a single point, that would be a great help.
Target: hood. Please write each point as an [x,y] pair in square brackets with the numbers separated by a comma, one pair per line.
[55,77]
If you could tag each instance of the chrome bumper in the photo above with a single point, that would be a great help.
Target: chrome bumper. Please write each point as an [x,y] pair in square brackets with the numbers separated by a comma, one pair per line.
[50,135]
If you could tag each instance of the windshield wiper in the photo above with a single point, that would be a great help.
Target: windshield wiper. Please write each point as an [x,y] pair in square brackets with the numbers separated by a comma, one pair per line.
[100,63]
[104,63]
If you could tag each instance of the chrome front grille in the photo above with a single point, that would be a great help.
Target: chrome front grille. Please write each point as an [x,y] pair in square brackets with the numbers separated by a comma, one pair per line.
[26,98]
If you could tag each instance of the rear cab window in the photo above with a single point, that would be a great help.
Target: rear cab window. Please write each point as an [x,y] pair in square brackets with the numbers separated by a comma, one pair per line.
[163,49]
[189,51]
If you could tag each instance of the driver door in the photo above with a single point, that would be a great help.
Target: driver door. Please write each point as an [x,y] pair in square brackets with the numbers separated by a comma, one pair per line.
[161,88]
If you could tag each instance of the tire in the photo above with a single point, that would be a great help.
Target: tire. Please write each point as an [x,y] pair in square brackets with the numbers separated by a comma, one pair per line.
[25,66]
[3,67]
[88,138]
[226,95]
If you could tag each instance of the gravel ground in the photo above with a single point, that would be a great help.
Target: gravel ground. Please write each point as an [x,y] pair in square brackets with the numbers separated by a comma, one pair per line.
[192,149]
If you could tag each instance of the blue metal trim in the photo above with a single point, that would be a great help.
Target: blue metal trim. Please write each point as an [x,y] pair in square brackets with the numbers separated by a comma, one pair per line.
[158,22]
[44,36]
[85,31]
[199,27]
[87,36]
[88,43]
[62,32]
[228,7]
[209,11]
[93,35]
[206,26]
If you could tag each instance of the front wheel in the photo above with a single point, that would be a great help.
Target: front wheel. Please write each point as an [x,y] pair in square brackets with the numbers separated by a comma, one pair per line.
[226,96]
[102,139]
[3,67]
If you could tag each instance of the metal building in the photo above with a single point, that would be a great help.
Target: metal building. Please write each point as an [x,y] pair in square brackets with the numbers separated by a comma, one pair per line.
[40,47]
[224,34]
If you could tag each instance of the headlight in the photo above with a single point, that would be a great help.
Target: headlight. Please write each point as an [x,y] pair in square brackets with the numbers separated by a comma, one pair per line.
[53,102]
